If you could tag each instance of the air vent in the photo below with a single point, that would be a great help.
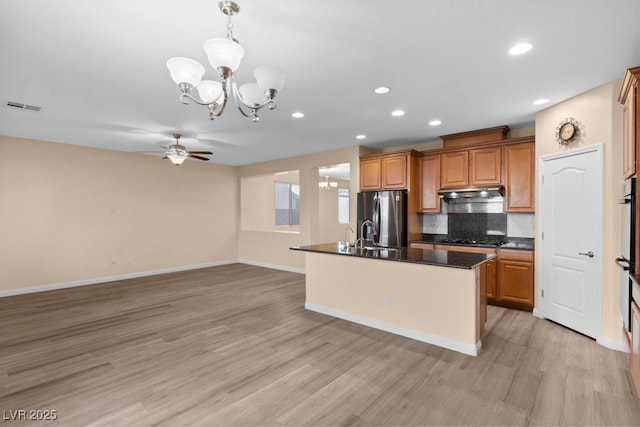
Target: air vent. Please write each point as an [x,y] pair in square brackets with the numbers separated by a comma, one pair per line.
[21,106]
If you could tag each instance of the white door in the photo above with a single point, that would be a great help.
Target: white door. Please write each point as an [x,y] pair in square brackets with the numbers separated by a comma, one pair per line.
[571,231]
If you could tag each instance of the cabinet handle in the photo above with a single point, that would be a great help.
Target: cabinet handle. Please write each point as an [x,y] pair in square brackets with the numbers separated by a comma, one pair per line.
[590,254]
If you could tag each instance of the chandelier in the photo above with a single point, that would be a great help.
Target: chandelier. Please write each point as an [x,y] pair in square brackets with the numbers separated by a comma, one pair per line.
[327,185]
[224,55]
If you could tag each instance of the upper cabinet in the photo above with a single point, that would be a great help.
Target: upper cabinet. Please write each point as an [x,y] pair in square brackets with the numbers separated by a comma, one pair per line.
[519,168]
[630,121]
[394,171]
[429,182]
[370,174]
[485,166]
[386,171]
[455,169]
[476,168]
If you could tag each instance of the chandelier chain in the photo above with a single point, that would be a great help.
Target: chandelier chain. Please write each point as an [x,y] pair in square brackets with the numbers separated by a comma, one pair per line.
[229,27]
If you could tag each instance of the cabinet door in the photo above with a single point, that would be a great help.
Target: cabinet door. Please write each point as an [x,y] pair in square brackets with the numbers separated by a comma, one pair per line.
[628,134]
[485,166]
[455,170]
[634,354]
[491,278]
[520,177]
[394,172]
[515,281]
[370,174]
[429,183]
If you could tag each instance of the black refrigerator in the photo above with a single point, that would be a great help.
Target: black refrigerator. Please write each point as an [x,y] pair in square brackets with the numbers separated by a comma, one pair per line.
[387,211]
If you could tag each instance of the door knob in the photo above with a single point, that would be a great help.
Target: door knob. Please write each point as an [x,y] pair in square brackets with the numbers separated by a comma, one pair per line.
[590,254]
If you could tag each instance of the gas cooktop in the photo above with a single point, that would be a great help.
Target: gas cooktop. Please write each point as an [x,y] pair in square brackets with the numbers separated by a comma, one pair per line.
[473,242]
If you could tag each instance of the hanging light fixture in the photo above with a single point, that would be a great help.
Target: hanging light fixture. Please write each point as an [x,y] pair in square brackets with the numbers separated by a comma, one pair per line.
[225,55]
[327,185]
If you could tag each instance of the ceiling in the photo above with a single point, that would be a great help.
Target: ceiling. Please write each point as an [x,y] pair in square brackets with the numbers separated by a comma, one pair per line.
[98,69]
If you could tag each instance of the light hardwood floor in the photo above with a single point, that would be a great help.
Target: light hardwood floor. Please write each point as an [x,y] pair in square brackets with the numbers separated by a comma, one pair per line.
[233,345]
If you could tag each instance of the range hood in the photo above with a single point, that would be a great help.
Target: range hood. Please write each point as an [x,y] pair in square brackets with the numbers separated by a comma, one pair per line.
[471,193]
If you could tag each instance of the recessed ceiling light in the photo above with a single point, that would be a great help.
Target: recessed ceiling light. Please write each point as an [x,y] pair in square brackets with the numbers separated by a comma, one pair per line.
[521,48]
[540,101]
[382,90]
[297,115]
[361,136]
[435,122]
[397,113]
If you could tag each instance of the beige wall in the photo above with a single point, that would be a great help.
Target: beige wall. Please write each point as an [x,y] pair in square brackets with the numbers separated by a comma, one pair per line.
[73,213]
[601,118]
[330,229]
[271,248]
[258,201]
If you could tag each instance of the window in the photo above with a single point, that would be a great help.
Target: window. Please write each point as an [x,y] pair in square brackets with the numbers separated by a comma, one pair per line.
[287,204]
[343,205]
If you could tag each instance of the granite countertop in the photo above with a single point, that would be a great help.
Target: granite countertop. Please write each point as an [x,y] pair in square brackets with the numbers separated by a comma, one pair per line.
[441,258]
[521,243]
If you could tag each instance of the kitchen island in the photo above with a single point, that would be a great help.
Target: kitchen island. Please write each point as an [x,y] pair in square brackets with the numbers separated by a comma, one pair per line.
[434,296]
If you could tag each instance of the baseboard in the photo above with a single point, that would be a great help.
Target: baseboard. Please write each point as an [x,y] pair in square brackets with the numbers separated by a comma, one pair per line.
[96,280]
[537,313]
[272,266]
[472,350]
[611,343]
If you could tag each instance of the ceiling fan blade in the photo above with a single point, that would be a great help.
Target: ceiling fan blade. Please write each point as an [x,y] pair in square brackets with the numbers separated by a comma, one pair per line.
[200,152]
[165,157]
[197,157]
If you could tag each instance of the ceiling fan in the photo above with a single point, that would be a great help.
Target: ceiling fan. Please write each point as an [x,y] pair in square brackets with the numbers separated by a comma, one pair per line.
[178,153]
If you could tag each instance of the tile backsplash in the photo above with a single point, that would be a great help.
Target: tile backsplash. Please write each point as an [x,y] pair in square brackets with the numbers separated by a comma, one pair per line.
[517,224]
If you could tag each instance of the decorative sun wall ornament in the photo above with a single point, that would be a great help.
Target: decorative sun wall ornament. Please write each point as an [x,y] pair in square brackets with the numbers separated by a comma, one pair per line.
[567,130]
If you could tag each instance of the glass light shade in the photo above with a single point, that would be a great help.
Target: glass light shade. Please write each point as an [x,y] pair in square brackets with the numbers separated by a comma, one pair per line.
[185,70]
[251,94]
[209,91]
[270,78]
[176,159]
[223,53]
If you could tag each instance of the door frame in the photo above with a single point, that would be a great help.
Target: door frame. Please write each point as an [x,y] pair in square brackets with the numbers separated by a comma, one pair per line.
[539,311]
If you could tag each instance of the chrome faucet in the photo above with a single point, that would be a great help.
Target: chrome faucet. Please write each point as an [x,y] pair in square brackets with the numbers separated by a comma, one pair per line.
[345,233]
[360,241]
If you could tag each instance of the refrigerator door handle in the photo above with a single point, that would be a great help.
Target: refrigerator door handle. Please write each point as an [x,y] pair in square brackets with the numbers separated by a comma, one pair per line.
[376,218]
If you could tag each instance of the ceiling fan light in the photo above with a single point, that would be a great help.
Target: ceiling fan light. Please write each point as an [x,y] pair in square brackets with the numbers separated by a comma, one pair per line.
[223,52]
[251,94]
[176,159]
[209,91]
[269,77]
[185,70]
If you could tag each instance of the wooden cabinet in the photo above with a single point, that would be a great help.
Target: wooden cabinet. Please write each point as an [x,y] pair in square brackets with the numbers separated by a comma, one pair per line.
[384,172]
[515,279]
[520,177]
[371,174]
[394,172]
[472,168]
[630,121]
[429,182]
[455,169]
[485,166]
[492,279]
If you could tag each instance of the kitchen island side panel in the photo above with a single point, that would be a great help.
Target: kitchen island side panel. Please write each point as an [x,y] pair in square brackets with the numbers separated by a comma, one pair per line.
[440,304]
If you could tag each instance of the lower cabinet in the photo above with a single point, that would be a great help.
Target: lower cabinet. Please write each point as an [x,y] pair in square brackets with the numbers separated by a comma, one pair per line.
[492,283]
[515,279]
[509,276]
